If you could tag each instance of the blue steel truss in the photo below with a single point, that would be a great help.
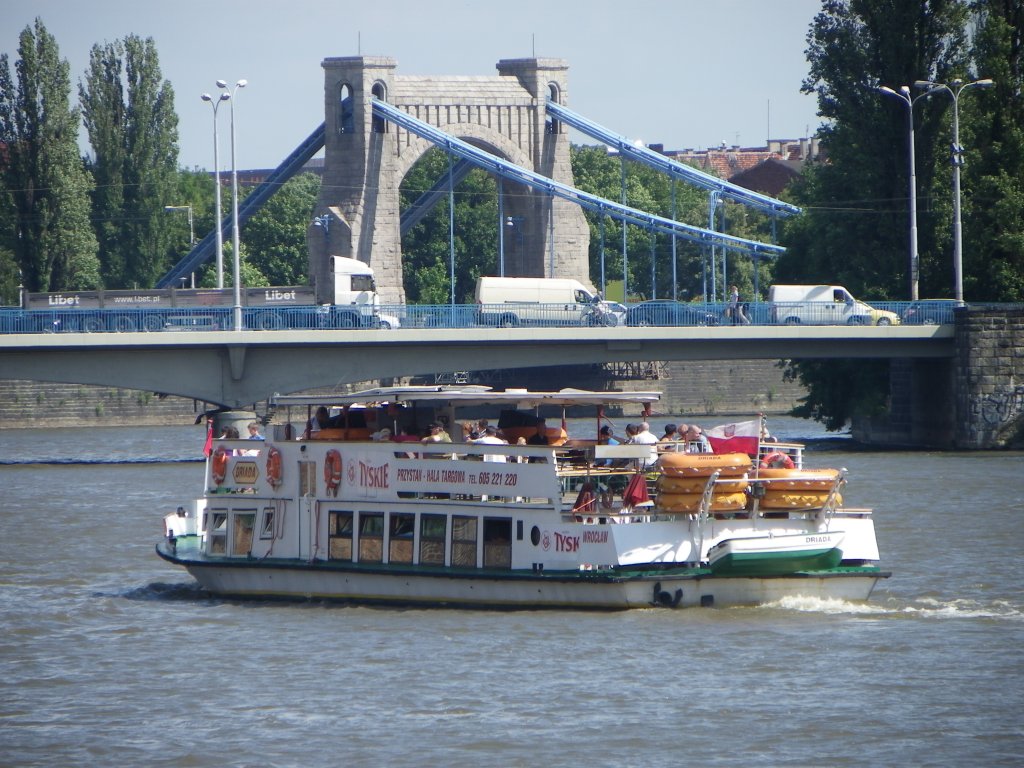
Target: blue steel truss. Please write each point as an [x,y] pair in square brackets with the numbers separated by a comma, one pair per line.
[507,170]
[674,169]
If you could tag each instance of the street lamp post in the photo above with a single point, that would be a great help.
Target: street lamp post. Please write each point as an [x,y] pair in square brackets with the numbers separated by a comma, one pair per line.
[215,103]
[235,245]
[191,229]
[954,89]
[904,96]
[513,223]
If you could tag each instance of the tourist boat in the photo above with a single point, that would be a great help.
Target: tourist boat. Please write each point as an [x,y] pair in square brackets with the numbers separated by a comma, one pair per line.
[346,515]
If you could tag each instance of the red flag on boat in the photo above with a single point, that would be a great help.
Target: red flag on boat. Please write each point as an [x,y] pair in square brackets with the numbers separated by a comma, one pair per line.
[739,437]
[208,446]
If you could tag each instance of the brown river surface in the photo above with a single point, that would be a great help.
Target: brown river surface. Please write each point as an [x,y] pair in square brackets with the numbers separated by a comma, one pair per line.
[111,657]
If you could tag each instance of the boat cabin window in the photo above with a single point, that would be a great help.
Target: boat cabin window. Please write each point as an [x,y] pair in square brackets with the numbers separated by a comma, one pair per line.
[401,530]
[497,542]
[269,524]
[243,524]
[218,534]
[339,533]
[464,541]
[371,537]
[432,533]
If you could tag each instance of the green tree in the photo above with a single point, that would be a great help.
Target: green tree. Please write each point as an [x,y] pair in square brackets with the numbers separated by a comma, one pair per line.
[993,177]
[854,230]
[426,257]
[275,238]
[44,179]
[129,114]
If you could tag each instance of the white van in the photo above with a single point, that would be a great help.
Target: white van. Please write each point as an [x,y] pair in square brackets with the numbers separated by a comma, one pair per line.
[823,305]
[512,301]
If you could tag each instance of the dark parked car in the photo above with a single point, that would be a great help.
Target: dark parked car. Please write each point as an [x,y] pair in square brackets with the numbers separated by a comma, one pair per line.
[929,312]
[670,313]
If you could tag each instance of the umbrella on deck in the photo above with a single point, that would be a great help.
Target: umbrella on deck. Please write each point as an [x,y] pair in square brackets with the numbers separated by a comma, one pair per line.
[636,492]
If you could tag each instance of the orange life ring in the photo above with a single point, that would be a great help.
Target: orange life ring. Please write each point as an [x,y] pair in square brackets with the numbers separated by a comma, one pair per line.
[688,503]
[219,465]
[777,460]
[332,471]
[274,470]
[798,479]
[676,484]
[704,464]
[790,500]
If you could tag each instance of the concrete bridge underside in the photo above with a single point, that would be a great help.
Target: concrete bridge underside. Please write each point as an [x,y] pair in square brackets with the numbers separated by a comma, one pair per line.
[235,369]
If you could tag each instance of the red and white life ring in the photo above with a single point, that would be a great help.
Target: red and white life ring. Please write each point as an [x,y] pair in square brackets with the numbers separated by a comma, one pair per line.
[219,465]
[275,473]
[332,471]
[777,460]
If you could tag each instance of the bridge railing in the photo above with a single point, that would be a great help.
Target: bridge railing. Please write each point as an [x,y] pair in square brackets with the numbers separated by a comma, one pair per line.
[663,313]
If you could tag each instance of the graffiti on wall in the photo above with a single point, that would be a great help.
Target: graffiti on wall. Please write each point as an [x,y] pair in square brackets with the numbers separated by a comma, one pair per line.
[999,408]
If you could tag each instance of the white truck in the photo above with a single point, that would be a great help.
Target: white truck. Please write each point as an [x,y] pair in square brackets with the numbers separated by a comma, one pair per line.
[513,301]
[823,305]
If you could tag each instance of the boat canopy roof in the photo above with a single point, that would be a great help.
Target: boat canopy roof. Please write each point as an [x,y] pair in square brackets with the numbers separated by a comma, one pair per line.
[467,395]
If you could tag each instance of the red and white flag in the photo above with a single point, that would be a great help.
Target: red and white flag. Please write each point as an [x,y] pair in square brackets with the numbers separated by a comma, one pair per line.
[739,437]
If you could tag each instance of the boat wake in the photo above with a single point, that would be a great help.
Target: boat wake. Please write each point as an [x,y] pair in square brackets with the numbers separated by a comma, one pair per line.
[928,608]
[185,591]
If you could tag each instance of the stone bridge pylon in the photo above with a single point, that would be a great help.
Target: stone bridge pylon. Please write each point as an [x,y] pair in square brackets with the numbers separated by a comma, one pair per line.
[366,160]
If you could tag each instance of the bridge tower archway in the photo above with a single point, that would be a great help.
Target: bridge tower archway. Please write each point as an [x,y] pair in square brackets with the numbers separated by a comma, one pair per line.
[366,159]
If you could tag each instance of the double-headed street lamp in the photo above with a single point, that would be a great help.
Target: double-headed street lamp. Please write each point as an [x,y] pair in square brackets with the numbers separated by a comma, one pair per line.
[215,103]
[954,89]
[904,96]
[235,245]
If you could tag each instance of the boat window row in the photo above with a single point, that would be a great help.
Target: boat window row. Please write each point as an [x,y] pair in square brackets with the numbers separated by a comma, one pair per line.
[461,541]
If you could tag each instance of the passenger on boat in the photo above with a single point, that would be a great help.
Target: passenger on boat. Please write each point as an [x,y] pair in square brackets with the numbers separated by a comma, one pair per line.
[541,436]
[766,437]
[383,436]
[490,437]
[320,420]
[696,442]
[254,431]
[631,430]
[229,433]
[436,434]
[606,436]
[671,434]
[644,436]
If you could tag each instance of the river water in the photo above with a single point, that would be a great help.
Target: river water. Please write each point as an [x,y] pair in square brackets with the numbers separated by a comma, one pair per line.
[111,657]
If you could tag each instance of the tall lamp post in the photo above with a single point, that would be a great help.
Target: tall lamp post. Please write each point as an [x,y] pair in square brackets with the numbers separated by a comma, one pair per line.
[904,96]
[235,245]
[954,89]
[514,223]
[191,228]
[215,103]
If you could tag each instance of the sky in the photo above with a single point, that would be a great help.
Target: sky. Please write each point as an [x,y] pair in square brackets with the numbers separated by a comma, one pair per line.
[682,73]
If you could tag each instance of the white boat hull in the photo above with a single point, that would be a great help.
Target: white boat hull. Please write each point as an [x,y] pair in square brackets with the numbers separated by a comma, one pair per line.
[594,591]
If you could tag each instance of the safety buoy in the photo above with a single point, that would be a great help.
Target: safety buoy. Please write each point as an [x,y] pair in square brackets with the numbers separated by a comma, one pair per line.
[704,464]
[219,465]
[789,500]
[688,503]
[672,484]
[274,470]
[777,460]
[332,471]
[798,479]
